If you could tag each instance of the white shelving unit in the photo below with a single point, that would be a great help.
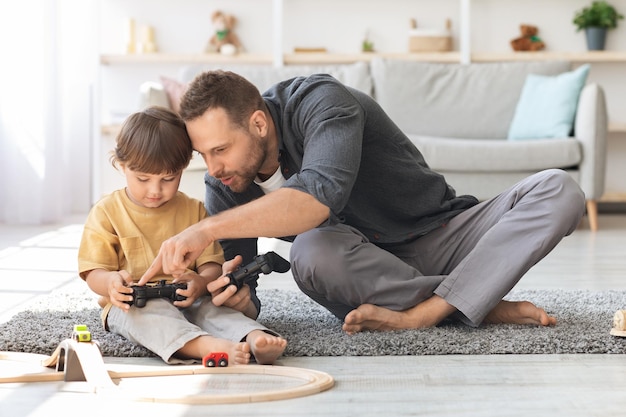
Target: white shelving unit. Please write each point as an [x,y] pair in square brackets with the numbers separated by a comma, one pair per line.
[473,20]
[463,54]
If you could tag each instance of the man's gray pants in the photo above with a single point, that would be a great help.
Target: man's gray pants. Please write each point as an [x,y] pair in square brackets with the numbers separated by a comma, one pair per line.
[472,262]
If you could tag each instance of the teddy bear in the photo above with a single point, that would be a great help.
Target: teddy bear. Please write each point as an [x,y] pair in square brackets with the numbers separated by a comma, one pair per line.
[224,40]
[529,41]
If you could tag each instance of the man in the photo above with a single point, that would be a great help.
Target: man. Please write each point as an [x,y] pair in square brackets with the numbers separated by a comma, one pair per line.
[381,240]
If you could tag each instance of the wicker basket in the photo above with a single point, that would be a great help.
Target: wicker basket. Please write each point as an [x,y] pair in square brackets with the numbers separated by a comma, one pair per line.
[429,43]
[430,40]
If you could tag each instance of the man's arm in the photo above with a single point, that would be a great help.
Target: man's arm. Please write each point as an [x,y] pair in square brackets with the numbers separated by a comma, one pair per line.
[284,212]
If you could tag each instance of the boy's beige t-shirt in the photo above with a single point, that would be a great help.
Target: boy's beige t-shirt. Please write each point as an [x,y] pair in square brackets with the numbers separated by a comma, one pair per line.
[121,235]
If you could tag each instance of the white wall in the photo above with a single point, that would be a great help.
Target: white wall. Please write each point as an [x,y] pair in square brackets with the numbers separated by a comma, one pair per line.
[340,25]
[48,71]
[79,63]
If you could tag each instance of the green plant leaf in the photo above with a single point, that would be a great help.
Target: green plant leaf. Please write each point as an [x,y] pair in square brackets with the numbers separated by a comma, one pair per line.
[599,14]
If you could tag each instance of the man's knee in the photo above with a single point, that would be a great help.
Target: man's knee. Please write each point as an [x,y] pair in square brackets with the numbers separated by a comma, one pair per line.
[317,266]
[567,190]
[566,197]
[312,253]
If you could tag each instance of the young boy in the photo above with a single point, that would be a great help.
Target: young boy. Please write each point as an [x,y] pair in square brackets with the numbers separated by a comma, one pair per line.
[123,234]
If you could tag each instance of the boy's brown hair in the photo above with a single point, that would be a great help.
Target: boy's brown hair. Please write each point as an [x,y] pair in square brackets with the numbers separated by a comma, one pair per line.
[153,141]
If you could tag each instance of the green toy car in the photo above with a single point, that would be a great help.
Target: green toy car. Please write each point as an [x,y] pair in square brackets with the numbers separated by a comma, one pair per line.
[81,333]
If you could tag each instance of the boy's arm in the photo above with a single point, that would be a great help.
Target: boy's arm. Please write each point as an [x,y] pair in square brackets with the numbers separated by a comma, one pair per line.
[210,271]
[113,285]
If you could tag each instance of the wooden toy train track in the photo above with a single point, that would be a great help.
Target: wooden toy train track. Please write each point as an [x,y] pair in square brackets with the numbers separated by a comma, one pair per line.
[619,324]
[82,363]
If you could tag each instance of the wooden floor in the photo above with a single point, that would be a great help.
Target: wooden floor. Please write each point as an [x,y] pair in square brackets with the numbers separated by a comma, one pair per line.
[453,385]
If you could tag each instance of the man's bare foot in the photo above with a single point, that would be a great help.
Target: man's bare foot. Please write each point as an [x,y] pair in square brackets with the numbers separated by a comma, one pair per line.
[370,317]
[265,347]
[519,312]
[238,352]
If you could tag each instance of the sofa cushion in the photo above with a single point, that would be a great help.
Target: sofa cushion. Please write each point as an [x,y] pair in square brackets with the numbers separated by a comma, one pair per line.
[152,94]
[174,90]
[547,106]
[474,101]
[355,75]
[487,155]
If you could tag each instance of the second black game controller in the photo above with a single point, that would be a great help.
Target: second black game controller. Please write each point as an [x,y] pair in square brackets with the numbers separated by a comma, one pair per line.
[270,262]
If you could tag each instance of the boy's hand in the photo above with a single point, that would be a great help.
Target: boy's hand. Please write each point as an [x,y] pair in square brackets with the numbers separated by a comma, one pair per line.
[196,287]
[119,289]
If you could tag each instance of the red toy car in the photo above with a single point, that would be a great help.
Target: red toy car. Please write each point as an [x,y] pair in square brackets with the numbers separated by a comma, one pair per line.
[214,359]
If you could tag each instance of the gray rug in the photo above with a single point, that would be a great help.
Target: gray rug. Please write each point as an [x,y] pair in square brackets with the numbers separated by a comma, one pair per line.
[585,318]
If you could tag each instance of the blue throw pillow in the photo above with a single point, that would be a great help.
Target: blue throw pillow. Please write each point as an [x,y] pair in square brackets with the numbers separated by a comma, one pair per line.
[547,106]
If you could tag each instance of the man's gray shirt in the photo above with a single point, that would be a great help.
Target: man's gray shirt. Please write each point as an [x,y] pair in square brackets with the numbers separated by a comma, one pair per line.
[337,144]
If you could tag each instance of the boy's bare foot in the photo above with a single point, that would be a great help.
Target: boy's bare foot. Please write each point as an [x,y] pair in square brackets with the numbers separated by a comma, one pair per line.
[265,347]
[519,312]
[238,352]
[370,317]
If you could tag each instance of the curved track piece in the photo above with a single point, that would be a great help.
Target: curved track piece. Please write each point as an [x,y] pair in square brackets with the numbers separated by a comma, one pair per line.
[314,382]
[82,361]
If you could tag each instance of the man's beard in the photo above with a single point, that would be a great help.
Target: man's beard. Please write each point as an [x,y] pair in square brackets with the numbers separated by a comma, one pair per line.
[246,176]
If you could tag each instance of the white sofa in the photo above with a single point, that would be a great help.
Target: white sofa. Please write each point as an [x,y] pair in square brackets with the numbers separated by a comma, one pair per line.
[459,117]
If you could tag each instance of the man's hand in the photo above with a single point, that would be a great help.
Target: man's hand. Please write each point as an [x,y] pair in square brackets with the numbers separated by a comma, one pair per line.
[223,293]
[220,290]
[177,253]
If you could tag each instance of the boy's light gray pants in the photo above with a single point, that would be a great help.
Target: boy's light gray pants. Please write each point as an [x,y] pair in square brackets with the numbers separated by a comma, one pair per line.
[472,262]
[164,328]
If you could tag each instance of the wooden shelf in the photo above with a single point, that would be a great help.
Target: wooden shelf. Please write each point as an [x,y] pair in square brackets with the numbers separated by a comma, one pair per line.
[110,130]
[326,58]
[180,59]
[613,197]
[329,58]
[587,56]
[302,58]
[616,127]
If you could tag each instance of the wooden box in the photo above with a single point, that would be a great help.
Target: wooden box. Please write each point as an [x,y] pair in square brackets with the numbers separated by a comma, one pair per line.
[421,40]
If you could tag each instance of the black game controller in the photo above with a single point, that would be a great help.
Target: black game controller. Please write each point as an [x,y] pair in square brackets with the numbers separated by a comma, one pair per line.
[142,293]
[270,262]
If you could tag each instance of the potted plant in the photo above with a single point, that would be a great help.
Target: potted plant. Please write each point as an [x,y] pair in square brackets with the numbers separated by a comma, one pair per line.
[596,20]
